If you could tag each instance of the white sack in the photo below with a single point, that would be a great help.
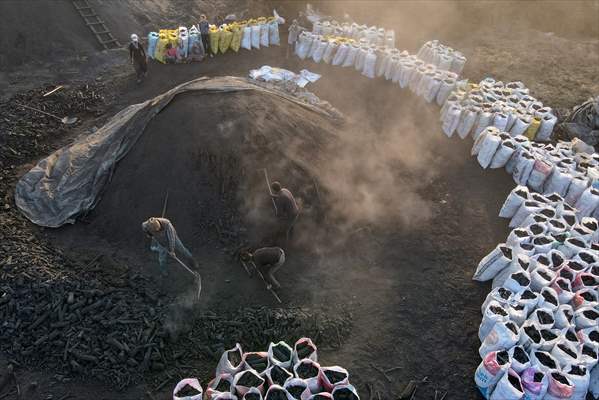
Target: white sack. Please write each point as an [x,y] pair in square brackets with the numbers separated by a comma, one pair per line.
[520,359]
[541,170]
[246,38]
[580,377]
[509,387]
[452,119]
[273,32]
[504,153]
[225,366]
[352,54]
[490,371]
[369,65]
[503,336]
[534,383]
[487,150]
[256,36]
[492,263]
[557,389]
[588,202]
[341,54]
[493,314]
[558,182]
[264,35]
[192,382]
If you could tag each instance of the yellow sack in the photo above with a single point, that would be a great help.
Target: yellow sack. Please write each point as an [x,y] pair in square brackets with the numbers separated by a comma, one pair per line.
[226,36]
[531,132]
[237,35]
[161,46]
[214,39]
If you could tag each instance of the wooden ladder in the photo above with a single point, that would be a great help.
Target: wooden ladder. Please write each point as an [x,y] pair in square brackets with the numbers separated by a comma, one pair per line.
[96,25]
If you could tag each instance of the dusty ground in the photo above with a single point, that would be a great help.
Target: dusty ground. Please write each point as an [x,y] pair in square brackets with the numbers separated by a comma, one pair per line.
[406,278]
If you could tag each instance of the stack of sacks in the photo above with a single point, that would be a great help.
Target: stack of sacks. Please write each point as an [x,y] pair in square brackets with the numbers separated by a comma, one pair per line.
[196,51]
[544,168]
[509,107]
[153,38]
[372,35]
[182,44]
[259,32]
[443,57]
[281,373]
[374,61]
[253,33]
[427,80]
[166,38]
[540,326]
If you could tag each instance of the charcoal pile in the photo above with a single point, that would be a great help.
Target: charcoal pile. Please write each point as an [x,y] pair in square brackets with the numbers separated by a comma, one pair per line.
[540,327]
[283,372]
[85,327]
[256,326]
[77,327]
[25,133]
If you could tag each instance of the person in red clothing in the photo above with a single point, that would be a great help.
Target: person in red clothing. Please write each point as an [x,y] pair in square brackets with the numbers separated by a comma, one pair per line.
[170,56]
[267,260]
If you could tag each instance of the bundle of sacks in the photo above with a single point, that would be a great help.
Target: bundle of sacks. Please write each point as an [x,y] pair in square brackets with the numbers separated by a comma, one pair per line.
[281,373]
[372,35]
[506,106]
[540,326]
[266,73]
[443,57]
[545,168]
[185,45]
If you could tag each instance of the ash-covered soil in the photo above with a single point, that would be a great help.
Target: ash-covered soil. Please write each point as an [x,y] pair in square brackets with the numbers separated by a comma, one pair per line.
[406,215]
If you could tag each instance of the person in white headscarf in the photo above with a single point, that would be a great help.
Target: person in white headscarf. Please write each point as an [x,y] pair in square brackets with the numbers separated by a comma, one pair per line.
[138,57]
[166,242]
[294,31]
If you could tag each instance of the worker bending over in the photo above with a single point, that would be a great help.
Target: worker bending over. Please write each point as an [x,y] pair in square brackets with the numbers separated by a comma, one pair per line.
[165,242]
[286,208]
[267,260]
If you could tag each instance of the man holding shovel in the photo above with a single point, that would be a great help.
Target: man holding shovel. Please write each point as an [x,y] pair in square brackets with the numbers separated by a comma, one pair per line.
[286,208]
[267,261]
[165,241]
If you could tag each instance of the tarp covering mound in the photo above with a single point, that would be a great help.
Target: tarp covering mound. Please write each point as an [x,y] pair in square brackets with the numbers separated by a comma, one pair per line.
[70,182]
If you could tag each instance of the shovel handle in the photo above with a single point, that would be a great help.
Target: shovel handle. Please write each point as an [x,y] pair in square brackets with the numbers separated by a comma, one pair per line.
[40,111]
[195,274]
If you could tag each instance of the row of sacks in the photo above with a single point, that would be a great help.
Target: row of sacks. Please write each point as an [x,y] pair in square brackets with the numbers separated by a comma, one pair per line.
[372,35]
[281,373]
[443,57]
[176,45]
[373,61]
[540,326]
[185,45]
[508,107]
[544,168]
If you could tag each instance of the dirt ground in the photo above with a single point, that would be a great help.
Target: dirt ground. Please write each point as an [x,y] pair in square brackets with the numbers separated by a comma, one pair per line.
[401,250]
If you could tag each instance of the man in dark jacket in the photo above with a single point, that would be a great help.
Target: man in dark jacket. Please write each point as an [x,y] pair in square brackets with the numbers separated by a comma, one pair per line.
[267,260]
[137,55]
[204,27]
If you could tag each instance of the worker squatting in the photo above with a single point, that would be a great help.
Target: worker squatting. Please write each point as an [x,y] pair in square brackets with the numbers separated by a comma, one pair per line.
[266,260]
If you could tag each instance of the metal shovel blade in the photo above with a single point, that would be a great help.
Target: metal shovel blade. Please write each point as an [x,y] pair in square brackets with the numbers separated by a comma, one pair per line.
[68,120]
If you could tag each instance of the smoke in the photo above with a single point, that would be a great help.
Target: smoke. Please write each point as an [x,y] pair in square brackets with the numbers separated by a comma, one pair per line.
[375,176]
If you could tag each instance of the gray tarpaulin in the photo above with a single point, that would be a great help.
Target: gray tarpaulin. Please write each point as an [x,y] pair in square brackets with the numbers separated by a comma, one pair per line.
[70,181]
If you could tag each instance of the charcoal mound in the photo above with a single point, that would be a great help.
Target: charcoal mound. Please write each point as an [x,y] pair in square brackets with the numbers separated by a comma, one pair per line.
[208,151]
